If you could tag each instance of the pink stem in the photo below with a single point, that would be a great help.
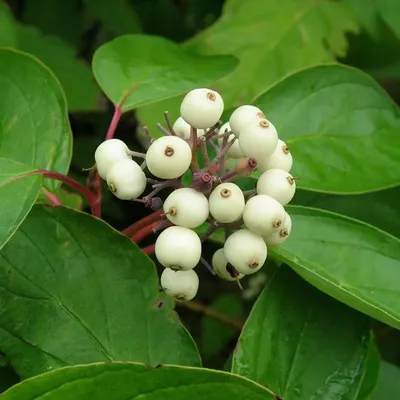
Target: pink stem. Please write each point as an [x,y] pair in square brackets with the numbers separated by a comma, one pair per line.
[149,249]
[54,200]
[114,122]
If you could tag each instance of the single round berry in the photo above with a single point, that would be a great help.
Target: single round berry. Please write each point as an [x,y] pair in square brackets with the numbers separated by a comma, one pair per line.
[226,203]
[108,153]
[246,251]
[277,238]
[202,108]
[182,129]
[278,184]
[281,158]
[168,157]
[263,214]
[258,138]
[240,117]
[186,207]
[234,150]
[181,285]
[126,180]
[178,248]
[223,269]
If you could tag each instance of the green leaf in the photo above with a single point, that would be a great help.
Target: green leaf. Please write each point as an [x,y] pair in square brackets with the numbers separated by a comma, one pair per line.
[301,343]
[122,381]
[388,384]
[17,195]
[372,370]
[75,75]
[366,13]
[119,18]
[272,41]
[75,291]
[380,209]
[215,334]
[8,35]
[154,68]
[341,126]
[34,126]
[60,18]
[350,260]
[390,12]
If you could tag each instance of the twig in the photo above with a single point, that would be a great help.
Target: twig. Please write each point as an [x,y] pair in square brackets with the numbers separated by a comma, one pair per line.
[210,312]
[153,217]
[54,200]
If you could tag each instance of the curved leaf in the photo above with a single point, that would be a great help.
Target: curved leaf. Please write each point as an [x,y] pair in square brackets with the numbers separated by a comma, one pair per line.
[154,68]
[75,291]
[34,126]
[350,260]
[301,343]
[122,381]
[341,126]
[18,193]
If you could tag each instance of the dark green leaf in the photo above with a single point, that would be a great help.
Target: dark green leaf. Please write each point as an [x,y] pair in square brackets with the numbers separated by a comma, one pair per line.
[8,35]
[301,343]
[75,75]
[390,12]
[341,126]
[380,209]
[350,260]
[74,291]
[34,126]
[215,334]
[122,381]
[17,196]
[372,370]
[119,18]
[154,67]
[388,384]
[60,18]
[272,41]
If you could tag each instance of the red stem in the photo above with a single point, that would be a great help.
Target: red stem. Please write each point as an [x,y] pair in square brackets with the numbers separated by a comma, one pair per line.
[149,249]
[54,200]
[90,197]
[134,228]
[114,122]
[147,230]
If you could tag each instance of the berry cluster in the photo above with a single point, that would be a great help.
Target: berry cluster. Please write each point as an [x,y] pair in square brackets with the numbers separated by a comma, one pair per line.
[252,220]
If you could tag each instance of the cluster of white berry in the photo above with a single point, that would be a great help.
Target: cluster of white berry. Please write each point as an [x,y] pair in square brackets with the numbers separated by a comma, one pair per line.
[253,220]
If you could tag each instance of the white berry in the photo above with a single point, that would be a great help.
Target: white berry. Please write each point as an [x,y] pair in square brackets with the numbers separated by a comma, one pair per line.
[223,269]
[246,251]
[234,151]
[202,108]
[126,180]
[258,138]
[168,157]
[226,202]
[242,115]
[186,207]
[263,214]
[178,248]
[108,153]
[181,285]
[182,129]
[278,184]
[277,238]
[281,158]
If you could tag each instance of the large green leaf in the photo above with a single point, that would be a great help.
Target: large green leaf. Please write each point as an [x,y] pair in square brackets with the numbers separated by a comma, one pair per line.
[8,35]
[390,12]
[122,381]
[17,195]
[156,67]
[342,128]
[273,40]
[34,126]
[301,343]
[350,260]
[74,291]
[389,383]
[380,209]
